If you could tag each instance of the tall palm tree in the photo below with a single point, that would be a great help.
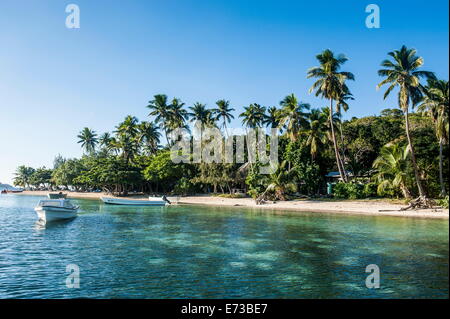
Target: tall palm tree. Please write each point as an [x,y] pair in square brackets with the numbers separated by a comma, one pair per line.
[159,107]
[149,136]
[223,112]
[391,166]
[292,115]
[403,72]
[199,113]
[316,131]
[436,104]
[272,119]
[331,85]
[177,116]
[88,140]
[128,127]
[253,115]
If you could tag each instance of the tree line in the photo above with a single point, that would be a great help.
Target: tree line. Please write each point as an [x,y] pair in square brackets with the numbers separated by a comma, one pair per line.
[398,153]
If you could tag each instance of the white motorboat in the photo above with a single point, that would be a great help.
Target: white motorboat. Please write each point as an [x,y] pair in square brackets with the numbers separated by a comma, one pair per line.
[151,201]
[56,209]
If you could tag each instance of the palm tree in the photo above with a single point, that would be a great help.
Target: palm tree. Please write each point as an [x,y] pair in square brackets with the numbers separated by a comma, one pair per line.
[149,136]
[253,115]
[128,127]
[280,183]
[177,116]
[160,108]
[292,115]
[436,104]
[199,113]
[316,131]
[105,139]
[88,140]
[23,176]
[391,166]
[223,112]
[272,119]
[403,73]
[331,85]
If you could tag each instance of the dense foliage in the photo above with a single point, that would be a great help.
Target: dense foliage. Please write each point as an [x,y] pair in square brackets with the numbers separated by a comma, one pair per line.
[398,153]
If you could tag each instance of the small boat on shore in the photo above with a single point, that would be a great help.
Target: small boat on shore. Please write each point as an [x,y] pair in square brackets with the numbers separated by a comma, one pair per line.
[55,209]
[56,195]
[151,201]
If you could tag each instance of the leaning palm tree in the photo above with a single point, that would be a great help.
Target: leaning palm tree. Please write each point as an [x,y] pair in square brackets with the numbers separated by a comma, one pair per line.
[280,184]
[88,140]
[293,115]
[223,112]
[160,109]
[436,104]
[403,72]
[391,166]
[331,85]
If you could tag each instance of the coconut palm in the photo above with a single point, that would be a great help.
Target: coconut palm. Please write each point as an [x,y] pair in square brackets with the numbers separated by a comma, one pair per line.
[253,115]
[128,127]
[403,72]
[436,104]
[177,116]
[160,109]
[105,139]
[280,183]
[292,115]
[316,131]
[331,85]
[149,137]
[223,112]
[391,166]
[23,176]
[88,140]
[272,119]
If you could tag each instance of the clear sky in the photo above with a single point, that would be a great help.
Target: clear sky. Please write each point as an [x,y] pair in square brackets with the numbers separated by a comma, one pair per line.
[54,81]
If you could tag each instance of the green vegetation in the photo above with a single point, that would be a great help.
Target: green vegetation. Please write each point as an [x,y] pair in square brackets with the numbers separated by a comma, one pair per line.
[396,154]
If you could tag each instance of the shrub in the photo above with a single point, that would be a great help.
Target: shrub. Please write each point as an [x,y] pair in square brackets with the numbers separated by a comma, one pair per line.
[370,190]
[348,191]
[443,202]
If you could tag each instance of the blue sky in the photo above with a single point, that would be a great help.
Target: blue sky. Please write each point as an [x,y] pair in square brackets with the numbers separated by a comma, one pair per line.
[55,81]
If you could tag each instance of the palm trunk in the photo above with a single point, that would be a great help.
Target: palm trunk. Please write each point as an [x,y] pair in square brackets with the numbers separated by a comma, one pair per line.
[336,151]
[413,156]
[441,176]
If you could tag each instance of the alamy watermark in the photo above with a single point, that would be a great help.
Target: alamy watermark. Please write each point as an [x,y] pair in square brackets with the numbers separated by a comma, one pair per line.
[73,279]
[373,280]
[73,19]
[208,145]
[373,19]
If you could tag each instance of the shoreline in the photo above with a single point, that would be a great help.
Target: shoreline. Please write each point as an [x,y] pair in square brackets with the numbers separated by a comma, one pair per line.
[345,207]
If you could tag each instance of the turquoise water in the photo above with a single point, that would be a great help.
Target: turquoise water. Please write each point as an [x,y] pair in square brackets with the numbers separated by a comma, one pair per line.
[199,252]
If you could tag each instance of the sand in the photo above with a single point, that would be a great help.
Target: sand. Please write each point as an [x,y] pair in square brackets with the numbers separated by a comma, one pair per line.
[360,207]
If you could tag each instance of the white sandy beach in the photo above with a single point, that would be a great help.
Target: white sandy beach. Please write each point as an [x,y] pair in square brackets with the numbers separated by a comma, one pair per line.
[360,207]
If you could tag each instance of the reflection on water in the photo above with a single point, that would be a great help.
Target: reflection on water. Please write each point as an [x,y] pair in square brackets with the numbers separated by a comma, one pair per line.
[200,252]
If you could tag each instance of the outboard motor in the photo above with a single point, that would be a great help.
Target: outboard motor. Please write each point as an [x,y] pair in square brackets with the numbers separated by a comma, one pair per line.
[164,198]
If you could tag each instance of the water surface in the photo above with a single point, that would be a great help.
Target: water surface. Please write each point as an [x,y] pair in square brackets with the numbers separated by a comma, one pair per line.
[210,252]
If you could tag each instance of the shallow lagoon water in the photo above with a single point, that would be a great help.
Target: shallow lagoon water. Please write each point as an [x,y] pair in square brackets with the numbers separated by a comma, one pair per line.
[210,252]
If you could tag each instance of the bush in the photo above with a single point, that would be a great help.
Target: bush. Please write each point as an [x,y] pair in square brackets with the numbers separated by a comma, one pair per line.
[235,195]
[443,202]
[183,187]
[348,191]
[370,190]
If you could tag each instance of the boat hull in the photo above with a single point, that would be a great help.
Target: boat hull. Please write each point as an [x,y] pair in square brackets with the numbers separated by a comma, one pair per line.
[57,196]
[48,214]
[133,202]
